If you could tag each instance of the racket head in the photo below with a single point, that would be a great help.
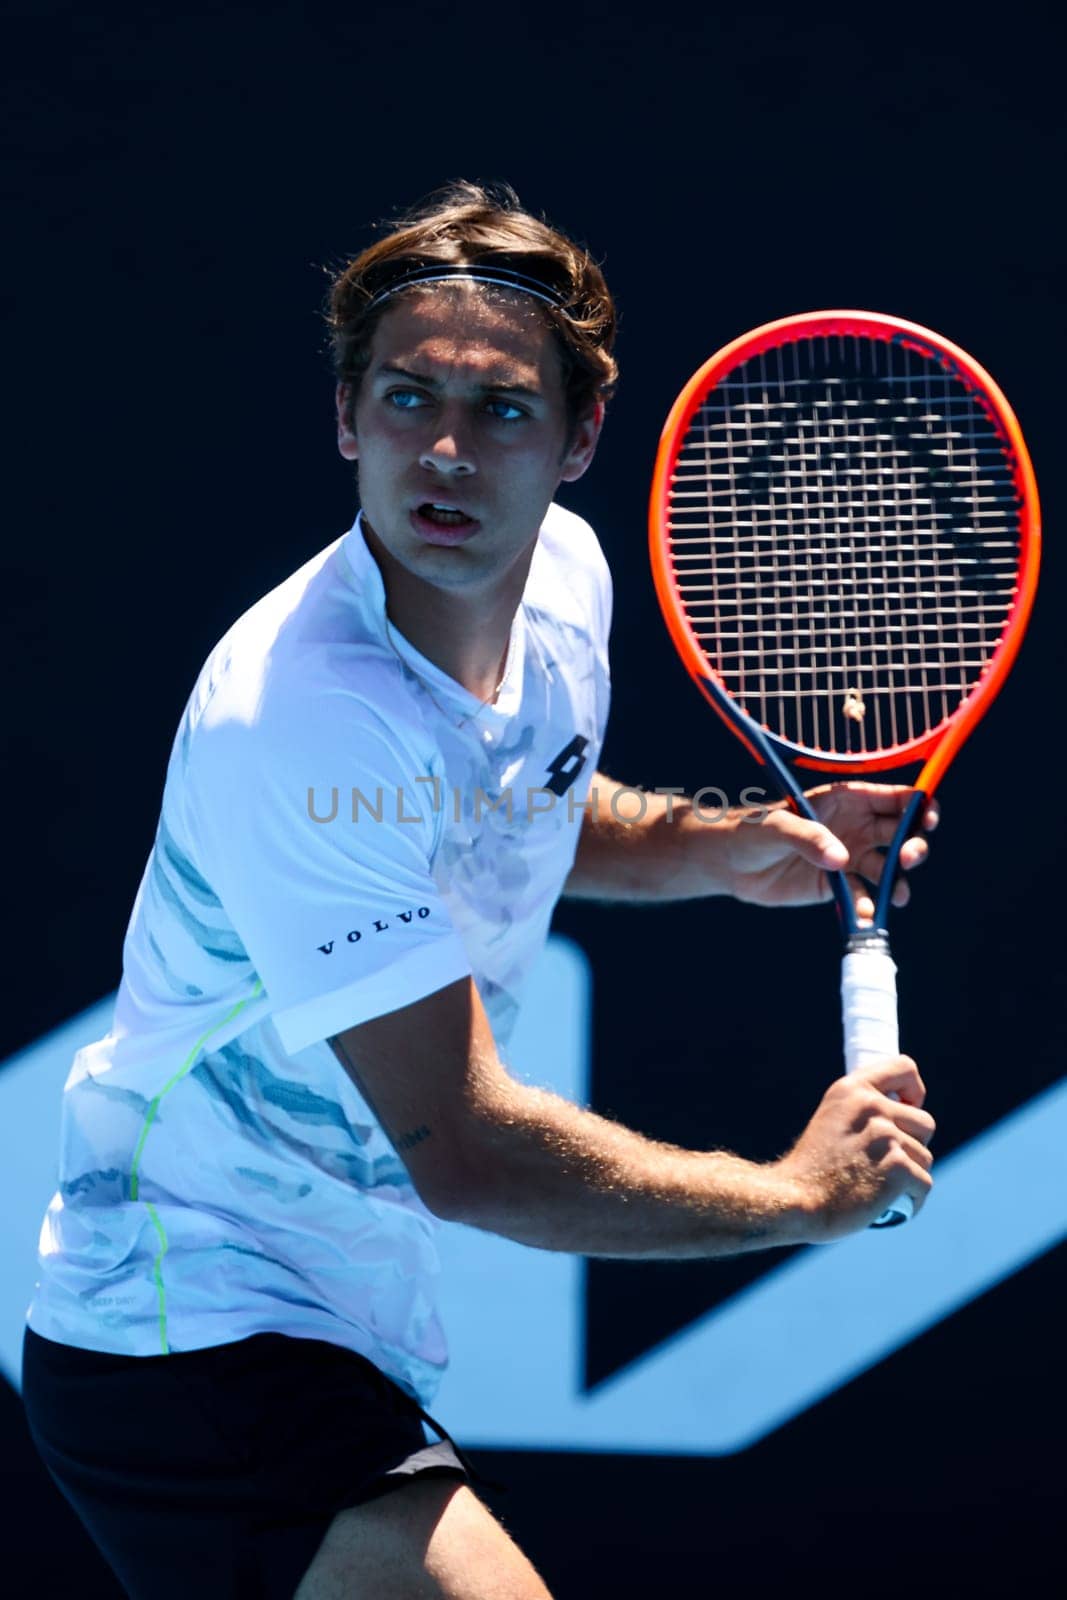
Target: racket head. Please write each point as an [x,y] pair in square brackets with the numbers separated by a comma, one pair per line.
[855,499]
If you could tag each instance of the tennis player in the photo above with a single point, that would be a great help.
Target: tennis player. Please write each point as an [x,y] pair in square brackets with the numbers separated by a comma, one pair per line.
[384,779]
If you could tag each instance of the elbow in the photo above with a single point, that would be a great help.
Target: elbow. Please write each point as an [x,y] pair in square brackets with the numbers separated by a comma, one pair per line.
[467,1200]
[467,1172]
[438,1196]
[462,1190]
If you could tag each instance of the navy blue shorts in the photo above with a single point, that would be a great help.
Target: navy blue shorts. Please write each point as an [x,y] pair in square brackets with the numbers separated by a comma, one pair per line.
[217,1472]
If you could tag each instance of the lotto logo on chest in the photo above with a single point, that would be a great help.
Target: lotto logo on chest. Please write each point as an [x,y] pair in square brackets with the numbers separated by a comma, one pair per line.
[565,767]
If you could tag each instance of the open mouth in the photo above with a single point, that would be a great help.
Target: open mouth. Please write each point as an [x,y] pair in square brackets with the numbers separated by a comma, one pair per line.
[444,516]
[436,522]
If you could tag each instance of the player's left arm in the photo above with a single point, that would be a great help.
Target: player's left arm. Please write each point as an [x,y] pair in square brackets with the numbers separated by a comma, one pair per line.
[659,845]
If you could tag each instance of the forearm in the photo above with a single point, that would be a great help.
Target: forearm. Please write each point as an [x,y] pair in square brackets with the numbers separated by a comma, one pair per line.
[641,846]
[540,1170]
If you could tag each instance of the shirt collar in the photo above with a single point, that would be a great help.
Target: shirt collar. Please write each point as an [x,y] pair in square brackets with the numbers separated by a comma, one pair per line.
[370,588]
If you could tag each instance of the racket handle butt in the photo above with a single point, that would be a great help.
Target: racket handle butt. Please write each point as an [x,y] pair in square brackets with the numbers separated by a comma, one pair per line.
[900,1211]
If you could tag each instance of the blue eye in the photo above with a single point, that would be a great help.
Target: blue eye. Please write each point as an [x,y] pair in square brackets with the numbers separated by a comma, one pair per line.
[412,400]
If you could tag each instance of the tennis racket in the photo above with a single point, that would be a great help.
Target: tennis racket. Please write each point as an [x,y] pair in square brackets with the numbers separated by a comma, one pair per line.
[845,536]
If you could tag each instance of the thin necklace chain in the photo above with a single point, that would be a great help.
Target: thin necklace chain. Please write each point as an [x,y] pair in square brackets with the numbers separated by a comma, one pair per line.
[468,716]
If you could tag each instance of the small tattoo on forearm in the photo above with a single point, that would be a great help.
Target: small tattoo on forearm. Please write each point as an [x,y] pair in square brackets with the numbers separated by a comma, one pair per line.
[416,1136]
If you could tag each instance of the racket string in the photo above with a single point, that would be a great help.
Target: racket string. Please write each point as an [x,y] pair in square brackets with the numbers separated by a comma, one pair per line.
[847,558]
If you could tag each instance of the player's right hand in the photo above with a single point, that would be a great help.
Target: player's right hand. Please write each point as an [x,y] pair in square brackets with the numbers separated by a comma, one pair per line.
[865,1146]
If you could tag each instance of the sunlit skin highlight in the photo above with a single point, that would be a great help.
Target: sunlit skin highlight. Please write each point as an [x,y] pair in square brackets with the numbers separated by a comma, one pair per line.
[463,404]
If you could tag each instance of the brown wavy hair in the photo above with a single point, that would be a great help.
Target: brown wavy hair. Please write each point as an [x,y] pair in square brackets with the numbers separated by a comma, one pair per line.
[468,224]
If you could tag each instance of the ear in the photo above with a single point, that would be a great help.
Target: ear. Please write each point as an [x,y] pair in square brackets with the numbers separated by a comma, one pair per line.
[346,433]
[583,448]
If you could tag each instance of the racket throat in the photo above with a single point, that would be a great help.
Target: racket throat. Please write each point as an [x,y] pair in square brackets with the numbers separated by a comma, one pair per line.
[910,823]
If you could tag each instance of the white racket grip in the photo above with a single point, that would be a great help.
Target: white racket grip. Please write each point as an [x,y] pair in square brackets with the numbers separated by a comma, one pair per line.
[869,1013]
[869,1004]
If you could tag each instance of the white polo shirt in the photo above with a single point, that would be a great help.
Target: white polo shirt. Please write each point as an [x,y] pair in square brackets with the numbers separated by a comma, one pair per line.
[344,830]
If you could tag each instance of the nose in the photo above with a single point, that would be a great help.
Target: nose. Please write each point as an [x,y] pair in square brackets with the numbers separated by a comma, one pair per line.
[449,448]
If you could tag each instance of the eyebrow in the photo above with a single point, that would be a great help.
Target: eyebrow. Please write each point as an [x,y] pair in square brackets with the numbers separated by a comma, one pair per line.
[501,387]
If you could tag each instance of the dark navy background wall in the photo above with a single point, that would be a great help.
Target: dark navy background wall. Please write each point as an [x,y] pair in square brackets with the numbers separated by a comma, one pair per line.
[179,182]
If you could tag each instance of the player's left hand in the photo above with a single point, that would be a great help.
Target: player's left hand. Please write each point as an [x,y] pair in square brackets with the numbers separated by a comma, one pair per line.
[782,859]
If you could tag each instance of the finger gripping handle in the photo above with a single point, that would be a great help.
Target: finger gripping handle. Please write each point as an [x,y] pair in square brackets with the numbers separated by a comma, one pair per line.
[869,1013]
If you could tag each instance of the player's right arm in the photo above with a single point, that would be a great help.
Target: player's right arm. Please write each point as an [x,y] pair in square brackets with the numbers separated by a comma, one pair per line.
[501,1156]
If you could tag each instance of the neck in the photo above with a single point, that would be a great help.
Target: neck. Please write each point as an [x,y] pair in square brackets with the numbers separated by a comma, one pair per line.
[466,632]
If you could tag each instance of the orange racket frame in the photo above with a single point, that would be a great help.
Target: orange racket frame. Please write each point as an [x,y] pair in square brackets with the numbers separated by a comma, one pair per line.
[940,744]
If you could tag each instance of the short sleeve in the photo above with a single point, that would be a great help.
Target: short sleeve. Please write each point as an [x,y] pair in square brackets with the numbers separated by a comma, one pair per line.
[318,830]
[604,596]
